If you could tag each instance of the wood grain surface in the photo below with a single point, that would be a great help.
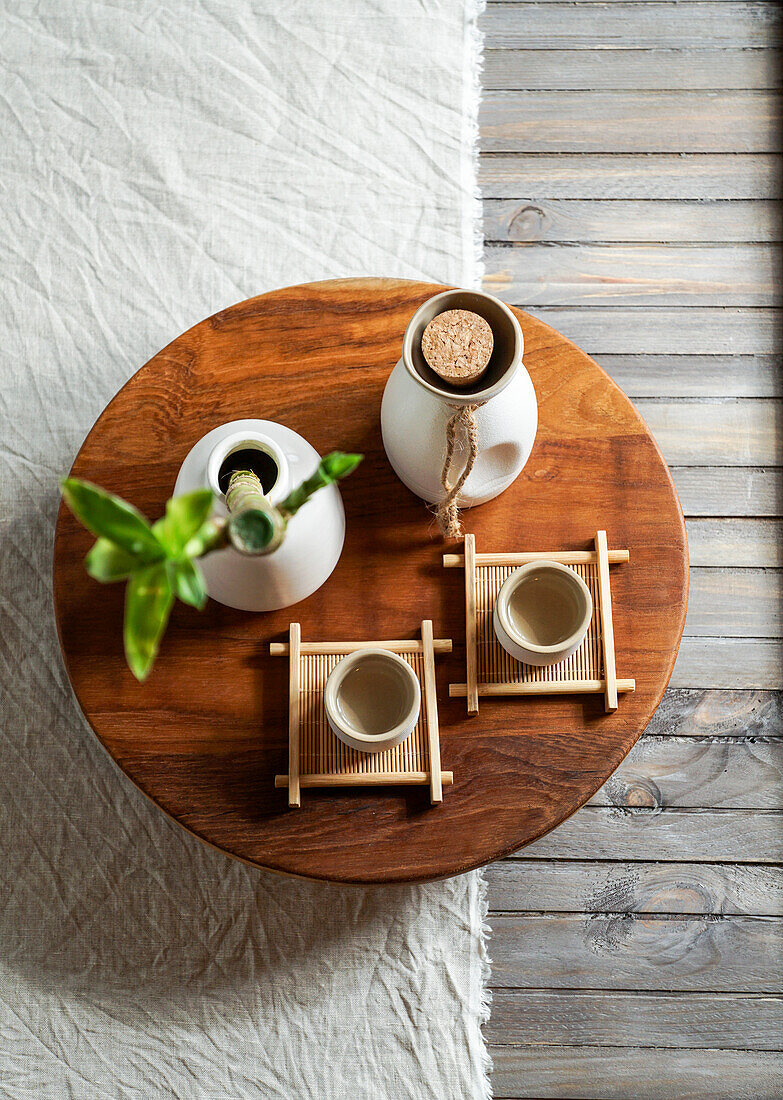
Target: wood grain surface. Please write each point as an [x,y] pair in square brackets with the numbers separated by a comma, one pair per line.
[628,1073]
[651,70]
[585,220]
[655,24]
[693,175]
[733,1021]
[731,492]
[703,833]
[631,122]
[206,734]
[634,886]
[636,274]
[637,951]
[612,248]
[729,663]
[695,376]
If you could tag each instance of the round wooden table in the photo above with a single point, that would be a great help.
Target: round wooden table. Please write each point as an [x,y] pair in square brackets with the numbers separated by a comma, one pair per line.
[205,736]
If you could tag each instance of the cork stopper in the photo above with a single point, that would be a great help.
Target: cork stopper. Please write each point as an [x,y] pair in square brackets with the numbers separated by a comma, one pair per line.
[457,345]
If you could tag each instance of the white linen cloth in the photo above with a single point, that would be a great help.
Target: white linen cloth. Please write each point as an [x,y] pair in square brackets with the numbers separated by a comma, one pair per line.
[161,159]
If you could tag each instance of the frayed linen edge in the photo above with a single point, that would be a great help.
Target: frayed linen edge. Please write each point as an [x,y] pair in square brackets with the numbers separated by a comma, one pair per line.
[473,258]
[484,1006]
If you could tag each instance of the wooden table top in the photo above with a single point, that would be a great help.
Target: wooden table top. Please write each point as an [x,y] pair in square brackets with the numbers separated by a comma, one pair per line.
[206,734]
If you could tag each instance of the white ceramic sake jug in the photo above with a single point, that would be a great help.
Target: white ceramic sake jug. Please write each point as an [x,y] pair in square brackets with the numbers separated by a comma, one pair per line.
[314,538]
[417,406]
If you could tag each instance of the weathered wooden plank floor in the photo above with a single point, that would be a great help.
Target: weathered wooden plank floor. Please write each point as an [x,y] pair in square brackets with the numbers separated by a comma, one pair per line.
[631,171]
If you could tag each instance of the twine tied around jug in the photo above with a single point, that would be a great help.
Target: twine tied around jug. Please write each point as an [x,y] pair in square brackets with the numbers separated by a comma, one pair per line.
[448,510]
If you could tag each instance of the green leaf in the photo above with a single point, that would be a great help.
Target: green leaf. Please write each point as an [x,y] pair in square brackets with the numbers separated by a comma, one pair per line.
[184,517]
[338,465]
[148,600]
[107,562]
[188,582]
[330,469]
[109,517]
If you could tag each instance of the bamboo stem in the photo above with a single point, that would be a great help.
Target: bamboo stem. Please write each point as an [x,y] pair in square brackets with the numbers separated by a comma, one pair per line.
[255,526]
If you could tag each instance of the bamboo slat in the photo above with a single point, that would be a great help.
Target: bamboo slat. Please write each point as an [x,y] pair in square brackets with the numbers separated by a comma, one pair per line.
[565,557]
[430,702]
[553,687]
[282,649]
[470,621]
[369,779]
[607,629]
[293,717]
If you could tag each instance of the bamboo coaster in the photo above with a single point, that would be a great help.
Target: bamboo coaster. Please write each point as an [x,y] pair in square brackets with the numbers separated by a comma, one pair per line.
[491,671]
[317,758]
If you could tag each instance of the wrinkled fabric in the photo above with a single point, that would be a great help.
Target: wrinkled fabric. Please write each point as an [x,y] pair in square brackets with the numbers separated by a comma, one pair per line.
[159,161]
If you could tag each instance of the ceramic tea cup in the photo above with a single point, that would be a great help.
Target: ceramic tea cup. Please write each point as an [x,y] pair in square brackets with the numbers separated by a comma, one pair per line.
[372,699]
[542,613]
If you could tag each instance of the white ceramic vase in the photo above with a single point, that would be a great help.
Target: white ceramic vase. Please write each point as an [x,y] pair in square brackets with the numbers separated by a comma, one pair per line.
[417,406]
[315,535]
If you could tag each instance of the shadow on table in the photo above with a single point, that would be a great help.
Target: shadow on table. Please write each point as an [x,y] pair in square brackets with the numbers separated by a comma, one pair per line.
[101,892]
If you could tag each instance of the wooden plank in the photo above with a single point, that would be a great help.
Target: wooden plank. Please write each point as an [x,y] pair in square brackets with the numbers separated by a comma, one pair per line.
[729,663]
[598,4]
[731,1021]
[735,603]
[743,542]
[637,951]
[652,25]
[591,886]
[431,703]
[735,432]
[630,122]
[623,330]
[658,791]
[653,70]
[662,772]
[470,624]
[595,220]
[694,713]
[727,491]
[617,1073]
[738,836]
[634,274]
[696,375]
[612,176]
